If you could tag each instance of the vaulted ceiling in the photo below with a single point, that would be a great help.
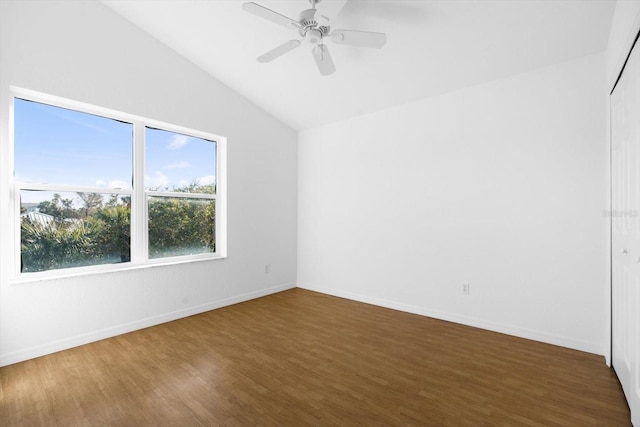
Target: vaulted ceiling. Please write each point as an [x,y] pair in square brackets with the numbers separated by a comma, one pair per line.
[433,47]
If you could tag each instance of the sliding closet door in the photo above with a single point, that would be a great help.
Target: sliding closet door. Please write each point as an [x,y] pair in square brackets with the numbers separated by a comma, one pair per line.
[625,245]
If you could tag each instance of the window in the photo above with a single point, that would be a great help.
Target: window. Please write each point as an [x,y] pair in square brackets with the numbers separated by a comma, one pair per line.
[94,188]
[180,189]
[74,174]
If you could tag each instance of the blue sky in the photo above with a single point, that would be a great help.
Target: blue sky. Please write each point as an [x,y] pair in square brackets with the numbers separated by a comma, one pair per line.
[176,160]
[59,146]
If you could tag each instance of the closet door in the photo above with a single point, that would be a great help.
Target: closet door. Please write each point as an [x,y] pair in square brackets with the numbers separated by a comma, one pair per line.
[625,231]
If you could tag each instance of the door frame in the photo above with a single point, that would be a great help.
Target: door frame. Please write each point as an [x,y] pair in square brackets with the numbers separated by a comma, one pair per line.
[622,63]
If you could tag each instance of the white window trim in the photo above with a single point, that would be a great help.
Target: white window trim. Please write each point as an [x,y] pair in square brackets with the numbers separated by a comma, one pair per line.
[139,213]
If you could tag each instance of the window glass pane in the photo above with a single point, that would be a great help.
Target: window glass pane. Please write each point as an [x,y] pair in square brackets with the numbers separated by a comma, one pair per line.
[59,146]
[177,162]
[62,230]
[181,226]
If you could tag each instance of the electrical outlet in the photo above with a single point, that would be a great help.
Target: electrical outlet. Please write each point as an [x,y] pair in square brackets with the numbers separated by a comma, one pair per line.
[466,288]
[267,268]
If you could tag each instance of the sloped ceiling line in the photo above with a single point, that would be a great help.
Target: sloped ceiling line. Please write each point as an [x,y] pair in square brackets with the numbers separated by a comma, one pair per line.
[433,47]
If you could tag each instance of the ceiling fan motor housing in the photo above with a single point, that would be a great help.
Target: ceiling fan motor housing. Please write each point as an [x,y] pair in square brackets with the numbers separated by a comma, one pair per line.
[310,29]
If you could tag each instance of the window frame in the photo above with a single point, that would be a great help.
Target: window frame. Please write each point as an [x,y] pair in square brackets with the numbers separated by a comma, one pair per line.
[139,218]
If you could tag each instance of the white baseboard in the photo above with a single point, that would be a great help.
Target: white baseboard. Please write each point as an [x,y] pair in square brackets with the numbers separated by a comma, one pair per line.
[64,344]
[75,341]
[531,334]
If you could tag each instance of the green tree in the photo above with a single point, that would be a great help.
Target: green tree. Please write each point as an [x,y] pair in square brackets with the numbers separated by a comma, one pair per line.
[54,245]
[100,232]
[112,227]
[92,202]
[180,226]
[58,207]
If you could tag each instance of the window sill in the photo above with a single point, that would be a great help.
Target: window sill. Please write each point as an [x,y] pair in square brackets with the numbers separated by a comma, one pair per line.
[52,275]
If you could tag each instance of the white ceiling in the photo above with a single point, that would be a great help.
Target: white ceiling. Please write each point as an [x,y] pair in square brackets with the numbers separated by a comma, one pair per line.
[433,47]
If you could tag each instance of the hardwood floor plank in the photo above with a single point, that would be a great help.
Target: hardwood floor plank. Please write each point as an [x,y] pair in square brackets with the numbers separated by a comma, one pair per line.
[303,358]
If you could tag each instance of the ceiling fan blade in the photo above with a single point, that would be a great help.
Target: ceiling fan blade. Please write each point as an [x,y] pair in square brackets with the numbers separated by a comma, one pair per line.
[359,38]
[323,60]
[270,15]
[279,51]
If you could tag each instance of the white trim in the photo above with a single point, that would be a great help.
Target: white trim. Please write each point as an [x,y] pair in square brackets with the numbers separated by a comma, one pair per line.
[173,194]
[221,197]
[102,269]
[139,217]
[13,267]
[60,188]
[67,343]
[526,333]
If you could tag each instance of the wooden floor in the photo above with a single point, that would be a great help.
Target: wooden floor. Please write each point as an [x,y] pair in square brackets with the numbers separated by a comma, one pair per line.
[302,358]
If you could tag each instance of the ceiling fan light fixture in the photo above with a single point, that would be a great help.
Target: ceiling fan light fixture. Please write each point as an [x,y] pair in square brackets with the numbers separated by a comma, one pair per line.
[313,36]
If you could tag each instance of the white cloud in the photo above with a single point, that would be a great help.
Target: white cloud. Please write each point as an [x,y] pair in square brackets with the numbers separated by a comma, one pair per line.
[158,180]
[114,183]
[207,180]
[177,165]
[178,141]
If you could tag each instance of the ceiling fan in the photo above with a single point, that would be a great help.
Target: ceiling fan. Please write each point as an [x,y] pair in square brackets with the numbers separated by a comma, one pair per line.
[314,28]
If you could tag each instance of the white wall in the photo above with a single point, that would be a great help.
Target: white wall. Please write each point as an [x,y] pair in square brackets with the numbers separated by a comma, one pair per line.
[85,52]
[500,185]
